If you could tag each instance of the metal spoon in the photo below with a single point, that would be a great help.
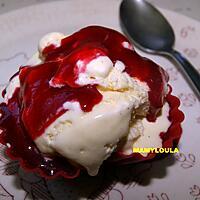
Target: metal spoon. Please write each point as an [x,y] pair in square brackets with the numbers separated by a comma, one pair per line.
[151,32]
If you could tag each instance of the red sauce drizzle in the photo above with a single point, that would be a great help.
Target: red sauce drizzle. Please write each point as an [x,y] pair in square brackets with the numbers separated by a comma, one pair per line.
[36,104]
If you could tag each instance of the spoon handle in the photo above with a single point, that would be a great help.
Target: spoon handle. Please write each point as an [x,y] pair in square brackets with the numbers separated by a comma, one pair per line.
[190,72]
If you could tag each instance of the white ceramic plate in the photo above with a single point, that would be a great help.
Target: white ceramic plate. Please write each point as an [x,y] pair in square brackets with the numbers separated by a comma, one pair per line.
[174,178]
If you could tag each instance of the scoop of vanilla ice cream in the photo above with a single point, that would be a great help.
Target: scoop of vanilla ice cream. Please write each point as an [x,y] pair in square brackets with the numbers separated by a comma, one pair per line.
[89,138]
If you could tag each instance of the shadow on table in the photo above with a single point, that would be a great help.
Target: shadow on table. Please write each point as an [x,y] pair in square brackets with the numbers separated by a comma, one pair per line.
[98,187]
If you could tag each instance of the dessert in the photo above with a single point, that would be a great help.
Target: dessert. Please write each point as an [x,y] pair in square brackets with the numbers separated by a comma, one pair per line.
[83,99]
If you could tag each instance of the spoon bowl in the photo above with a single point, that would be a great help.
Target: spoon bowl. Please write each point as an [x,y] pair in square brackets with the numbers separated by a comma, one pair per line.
[150,31]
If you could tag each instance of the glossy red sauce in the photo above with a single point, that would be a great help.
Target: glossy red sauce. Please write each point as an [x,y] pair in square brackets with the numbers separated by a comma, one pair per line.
[36,104]
[93,41]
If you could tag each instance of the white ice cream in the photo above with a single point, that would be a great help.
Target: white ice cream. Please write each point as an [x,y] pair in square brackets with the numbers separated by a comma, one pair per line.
[49,39]
[89,138]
